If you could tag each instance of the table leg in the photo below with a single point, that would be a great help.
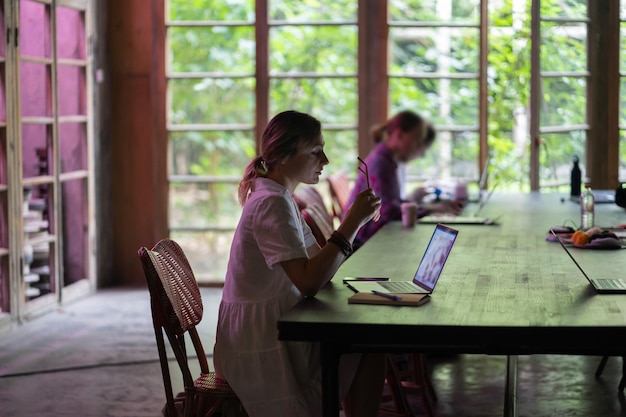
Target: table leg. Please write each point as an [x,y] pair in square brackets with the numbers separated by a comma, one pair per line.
[510,389]
[329,358]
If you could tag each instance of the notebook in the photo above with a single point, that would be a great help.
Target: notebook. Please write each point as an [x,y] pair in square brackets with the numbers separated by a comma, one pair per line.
[601,285]
[428,270]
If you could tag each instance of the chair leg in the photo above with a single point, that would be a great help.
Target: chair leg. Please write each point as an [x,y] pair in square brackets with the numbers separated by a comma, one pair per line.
[622,381]
[421,382]
[398,397]
[601,366]
[421,374]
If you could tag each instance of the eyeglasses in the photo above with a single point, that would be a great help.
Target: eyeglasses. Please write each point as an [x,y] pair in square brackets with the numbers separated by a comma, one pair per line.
[363,169]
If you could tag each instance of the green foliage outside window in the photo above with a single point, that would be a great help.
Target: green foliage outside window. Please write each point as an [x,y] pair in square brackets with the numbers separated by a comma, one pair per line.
[332,49]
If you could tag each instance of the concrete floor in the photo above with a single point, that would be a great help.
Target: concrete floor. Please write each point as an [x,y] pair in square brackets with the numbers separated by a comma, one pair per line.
[97,357]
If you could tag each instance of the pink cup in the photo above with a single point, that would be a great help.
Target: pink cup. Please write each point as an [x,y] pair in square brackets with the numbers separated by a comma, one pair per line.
[409,214]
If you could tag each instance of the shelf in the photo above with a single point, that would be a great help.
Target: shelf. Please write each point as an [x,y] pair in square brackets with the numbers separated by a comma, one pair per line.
[41,239]
[30,278]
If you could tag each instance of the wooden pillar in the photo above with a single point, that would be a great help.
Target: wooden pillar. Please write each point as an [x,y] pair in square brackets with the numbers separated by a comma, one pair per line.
[373,83]
[136,57]
[262,90]
[602,162]
[483,109]
[535,94]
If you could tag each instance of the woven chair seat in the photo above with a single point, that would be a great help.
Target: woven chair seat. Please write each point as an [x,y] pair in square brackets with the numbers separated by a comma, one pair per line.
[212,384]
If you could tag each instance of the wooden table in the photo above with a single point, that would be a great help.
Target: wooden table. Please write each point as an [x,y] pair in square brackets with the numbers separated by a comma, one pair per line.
[504,290]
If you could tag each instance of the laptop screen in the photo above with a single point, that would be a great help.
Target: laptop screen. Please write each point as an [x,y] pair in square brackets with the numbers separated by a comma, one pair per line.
[435,256]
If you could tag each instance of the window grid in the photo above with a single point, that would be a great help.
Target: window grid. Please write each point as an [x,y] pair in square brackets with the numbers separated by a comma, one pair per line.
[557,166]
[265,76]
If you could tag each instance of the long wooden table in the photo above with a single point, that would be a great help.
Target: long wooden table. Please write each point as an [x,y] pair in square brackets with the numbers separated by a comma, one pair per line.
[504,290]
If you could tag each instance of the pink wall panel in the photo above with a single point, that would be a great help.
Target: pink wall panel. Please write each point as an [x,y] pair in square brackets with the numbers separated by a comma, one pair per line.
[35,38]
[73,147]
[71,30]
[72,91]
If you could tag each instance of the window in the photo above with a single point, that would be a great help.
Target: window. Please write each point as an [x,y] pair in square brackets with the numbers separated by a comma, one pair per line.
[229,70]
[563,75]
[500,87]
[434,69]
[46,181]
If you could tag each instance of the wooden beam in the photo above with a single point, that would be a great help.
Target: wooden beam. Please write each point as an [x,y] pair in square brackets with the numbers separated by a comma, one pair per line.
[535,95]
[262,69]
[136,54]
[373,84]
[603,89]
[483,113]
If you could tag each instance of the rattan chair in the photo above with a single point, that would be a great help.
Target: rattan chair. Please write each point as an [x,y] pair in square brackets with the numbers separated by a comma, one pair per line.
[339,186]
[308,194]
[176,311]
[315,217]
[411,377]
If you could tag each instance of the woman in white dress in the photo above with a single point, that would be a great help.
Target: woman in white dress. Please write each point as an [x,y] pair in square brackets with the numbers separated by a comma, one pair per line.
[274,263]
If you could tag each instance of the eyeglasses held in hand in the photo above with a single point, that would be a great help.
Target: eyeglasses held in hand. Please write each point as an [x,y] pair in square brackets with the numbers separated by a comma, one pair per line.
[363,169]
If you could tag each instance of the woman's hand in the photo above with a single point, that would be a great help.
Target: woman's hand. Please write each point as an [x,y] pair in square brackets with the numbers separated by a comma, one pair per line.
[366,207]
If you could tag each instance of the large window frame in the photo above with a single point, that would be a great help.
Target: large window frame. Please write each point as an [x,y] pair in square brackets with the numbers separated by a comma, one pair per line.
[373,83]
[48,183]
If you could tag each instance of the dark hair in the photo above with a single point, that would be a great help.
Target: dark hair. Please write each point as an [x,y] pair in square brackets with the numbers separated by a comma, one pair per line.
[280,140]
[404,120]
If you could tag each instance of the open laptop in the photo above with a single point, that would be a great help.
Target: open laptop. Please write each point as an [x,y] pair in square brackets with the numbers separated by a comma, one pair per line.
[601,285]
[428,271]
[473,218]
[482,184]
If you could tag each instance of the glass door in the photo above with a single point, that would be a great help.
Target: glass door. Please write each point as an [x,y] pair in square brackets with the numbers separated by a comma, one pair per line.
[54,211]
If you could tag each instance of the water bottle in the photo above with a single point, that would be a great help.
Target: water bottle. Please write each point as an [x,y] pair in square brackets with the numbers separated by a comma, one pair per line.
[575,179]
[587,201]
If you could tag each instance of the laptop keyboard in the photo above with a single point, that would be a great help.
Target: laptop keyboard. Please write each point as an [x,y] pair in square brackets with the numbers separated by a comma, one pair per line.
[611,283]
[399,286]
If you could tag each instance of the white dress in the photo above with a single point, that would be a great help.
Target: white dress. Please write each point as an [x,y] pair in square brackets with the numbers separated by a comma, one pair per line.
[271,378]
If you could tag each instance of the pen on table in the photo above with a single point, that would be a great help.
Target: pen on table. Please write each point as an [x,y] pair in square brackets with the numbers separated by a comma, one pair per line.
[387,295]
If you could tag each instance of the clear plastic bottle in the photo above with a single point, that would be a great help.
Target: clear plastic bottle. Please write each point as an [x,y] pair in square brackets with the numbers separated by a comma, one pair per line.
[587,202]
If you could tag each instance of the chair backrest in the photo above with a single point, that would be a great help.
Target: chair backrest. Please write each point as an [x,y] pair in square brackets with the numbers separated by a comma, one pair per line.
[307,195]
[176,309]
[178,282]
[339,186]
[320,224]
